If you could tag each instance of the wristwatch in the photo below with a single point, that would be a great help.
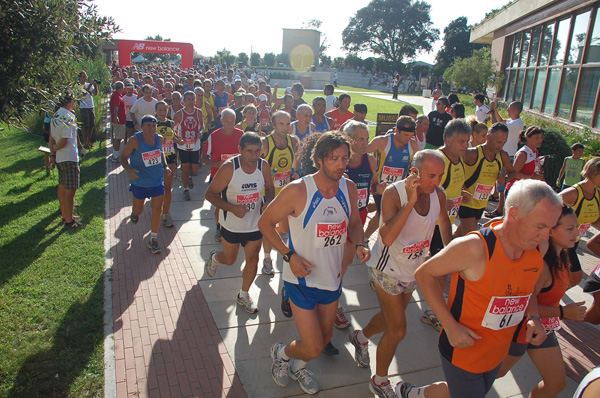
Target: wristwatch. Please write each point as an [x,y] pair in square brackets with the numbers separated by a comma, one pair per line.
[288,256]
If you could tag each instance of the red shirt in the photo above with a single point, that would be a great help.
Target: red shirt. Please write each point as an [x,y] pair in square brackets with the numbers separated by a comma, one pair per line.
[339,119]
[222,147]
[116,100]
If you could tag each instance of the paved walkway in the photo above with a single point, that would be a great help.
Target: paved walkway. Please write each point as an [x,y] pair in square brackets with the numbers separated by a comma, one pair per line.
[178,333]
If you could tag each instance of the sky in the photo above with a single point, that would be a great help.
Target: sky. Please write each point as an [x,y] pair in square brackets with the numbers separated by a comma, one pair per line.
[244,26]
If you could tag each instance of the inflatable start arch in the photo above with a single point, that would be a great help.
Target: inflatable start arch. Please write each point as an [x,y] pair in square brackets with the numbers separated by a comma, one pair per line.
[126,47]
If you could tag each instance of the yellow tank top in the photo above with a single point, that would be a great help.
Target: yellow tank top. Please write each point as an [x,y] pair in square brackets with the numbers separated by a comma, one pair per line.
[211,102]
[586,210]
[281,161]
[481,178]
[452,182]
[165,129]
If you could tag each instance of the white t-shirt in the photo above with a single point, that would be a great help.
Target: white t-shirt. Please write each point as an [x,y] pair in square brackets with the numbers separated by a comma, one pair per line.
[481,113]
[330,102]
[129,101]
[64,125]
[515,126]
[142,108]
[85,98]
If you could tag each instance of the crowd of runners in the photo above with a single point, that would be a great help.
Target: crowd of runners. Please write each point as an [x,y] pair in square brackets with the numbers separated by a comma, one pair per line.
[299,178]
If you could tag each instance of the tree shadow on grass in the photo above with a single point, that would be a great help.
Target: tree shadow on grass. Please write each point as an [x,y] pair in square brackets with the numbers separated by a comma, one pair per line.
[52,373]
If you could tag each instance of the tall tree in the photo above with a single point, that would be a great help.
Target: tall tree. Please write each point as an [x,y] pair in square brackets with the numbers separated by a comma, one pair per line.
[394,29]
[476,72]
[243,58]
[456,44]
[255,59]
[269,59]
[40,44]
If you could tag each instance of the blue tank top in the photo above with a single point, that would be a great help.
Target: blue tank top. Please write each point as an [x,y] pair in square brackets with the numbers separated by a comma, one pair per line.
[394,162]
[147,160]
[220,103]
[362,177]
[321,128]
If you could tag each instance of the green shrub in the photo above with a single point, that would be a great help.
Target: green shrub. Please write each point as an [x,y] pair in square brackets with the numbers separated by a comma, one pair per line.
[556,148]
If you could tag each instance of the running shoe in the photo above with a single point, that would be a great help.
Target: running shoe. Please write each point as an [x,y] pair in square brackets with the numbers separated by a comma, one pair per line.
[186,195]
[279,368]
[153,246]
[429,318]
[403,389]
[305,379]
[167,220]
[211,266]
[115,160]
[330,350]
[268,266]
[134,218]
[361,351]
[340,321]
[74,225]
[383,391]
[494,214]
[247,303]
[286,307]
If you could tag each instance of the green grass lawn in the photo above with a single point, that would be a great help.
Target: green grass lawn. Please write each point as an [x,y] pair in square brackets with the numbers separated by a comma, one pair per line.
[51,280]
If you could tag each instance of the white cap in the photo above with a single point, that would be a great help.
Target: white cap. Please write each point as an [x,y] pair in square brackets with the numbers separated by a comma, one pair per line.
[262,97]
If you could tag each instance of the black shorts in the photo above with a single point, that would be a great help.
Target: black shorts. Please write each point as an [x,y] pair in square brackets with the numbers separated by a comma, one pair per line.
[68,174]
[467,212]
[462,383]
[130,124]
[377,199]
[573,258]
[240,237]
[592,285]
[437,244]
[47,132]
[88,117]
[172,158]
[192,157]
[519,349]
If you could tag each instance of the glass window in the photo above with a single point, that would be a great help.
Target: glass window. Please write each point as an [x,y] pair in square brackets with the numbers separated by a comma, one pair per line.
[535,45]
[546,44]
[511,85]
[517,52]
[594,49]
[508,51]
[568,92]
[538,93]
[552,91]
[528,85]
[519,88]
[578,38]
[588,86]
[560,42]
[525,48]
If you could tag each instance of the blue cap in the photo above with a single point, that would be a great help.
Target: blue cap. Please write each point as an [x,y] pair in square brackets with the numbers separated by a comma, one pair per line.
[149,118]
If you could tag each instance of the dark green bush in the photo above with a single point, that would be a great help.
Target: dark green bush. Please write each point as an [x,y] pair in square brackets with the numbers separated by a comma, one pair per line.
[556,148]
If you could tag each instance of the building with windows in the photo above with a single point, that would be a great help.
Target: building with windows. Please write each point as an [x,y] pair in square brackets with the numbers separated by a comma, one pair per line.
[549,51]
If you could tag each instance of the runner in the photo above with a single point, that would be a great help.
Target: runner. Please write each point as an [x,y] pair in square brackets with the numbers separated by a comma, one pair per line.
[236,190]
[144,162]
[410,209]
[278,149]
[322,212]
[130,97]
[394,153]
[118,119]
[342,113]
[189,119]
[165,129]
[482,167]
[494,274]
[322,123]
[303,127]
[249,121]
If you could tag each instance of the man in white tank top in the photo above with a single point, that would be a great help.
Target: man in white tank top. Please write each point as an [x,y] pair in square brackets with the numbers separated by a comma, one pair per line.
[322,212]
[236,190]
[410,209]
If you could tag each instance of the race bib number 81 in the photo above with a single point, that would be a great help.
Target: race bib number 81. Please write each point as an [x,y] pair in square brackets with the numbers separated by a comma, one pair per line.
[331,234]
[504,312]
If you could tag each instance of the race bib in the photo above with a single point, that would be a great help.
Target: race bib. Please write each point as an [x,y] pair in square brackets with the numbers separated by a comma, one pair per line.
[551,324]
[282,178]
[331,234]
[453,212]
[151,158]
[583,228]
[189,144]
[391,174]
[249,200]
[482,192]
[416,250]
[504,312]
[225,156]
[363,198]
[168,147]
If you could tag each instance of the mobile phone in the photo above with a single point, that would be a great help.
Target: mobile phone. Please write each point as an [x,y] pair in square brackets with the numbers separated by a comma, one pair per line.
[417,173]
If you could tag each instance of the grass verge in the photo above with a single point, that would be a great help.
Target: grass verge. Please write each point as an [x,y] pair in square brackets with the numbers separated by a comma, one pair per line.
[51,280]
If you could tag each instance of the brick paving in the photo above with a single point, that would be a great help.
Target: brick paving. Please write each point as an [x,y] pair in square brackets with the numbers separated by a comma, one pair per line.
[166,343]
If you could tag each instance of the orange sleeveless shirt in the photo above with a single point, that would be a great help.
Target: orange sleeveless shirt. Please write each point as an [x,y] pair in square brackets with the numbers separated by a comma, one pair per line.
[493,306]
